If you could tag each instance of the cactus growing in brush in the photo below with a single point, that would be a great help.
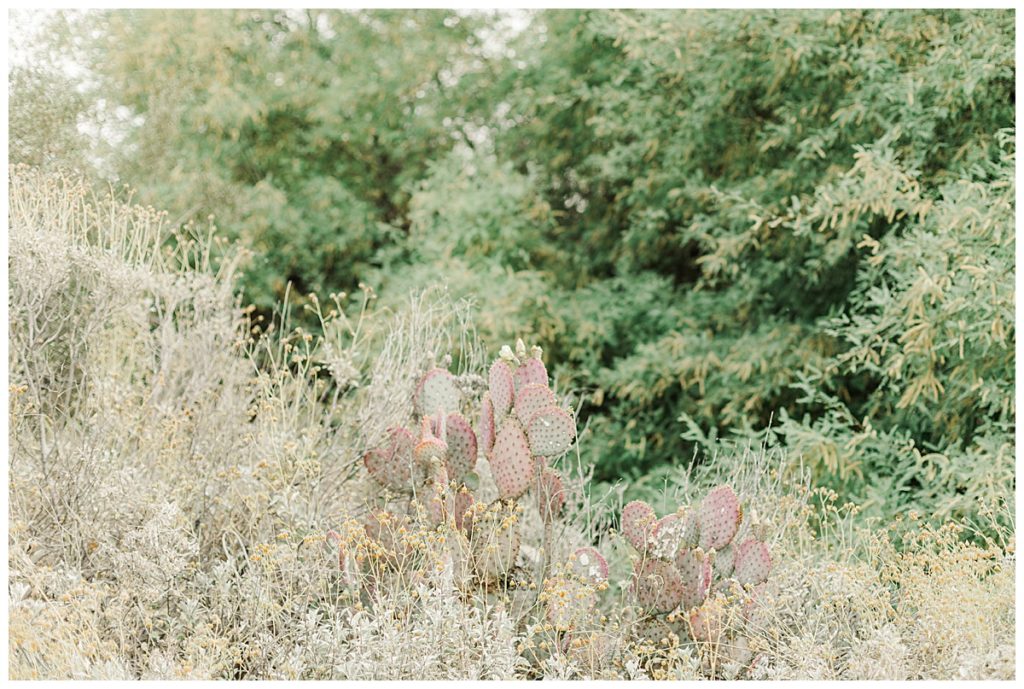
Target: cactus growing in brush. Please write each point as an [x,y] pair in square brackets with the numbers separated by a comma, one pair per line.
[570,596]
[551,499]
[511,462]
[520,427]
[437,393]
[391,465]
[496,540]
[461,442]
[690,560]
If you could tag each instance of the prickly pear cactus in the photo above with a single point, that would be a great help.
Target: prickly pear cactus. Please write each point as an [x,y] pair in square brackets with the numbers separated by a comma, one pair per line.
[531,399]
[691,565]
[638,521]
[694,568]
[437,393]
[752,562]
[719,518]
[531,372]
[461,445]
[511,462]
[496,539]
[391,465]
[520,429]
[657,585]
[486,431]
[589,565]
[551,431]
[502,388]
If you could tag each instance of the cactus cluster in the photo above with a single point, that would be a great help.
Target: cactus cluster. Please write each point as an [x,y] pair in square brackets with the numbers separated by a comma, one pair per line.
[698,574]
[520,413]
[520,429]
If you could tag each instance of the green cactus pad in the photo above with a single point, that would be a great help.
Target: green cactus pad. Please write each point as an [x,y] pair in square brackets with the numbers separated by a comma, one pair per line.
[719,517]
[436,393]
[657,585]
[502,389]
[694,568]
[637,524]
[531,399]
[551,496]
[531,372]
[511,462]
[590,566]
[391,465]
[752,562]
[486,428]
[551,432]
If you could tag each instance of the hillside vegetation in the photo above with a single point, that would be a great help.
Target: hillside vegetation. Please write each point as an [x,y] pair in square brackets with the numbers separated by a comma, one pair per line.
[773,250]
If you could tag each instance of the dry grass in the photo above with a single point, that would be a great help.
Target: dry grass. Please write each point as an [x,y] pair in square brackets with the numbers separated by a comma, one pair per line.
[175,468]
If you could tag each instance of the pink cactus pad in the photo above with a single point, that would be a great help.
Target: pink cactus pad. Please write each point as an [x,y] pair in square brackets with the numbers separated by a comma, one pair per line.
[657,585]
[719,517]
[665,536]
[463,503]
[391,465]
[511,462]
[694,568]
[502,388]
[724,560]
[707,623]
[690,536]
[486,428]
[495,541]
[590,566]
[551,432]
[436,393]
[551,496]
[531,399]
[638,520]
[430,446]
[531,372]
[462,444]
[752,562]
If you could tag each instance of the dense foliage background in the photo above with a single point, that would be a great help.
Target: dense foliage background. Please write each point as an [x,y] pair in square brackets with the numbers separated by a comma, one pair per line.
[719,222]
